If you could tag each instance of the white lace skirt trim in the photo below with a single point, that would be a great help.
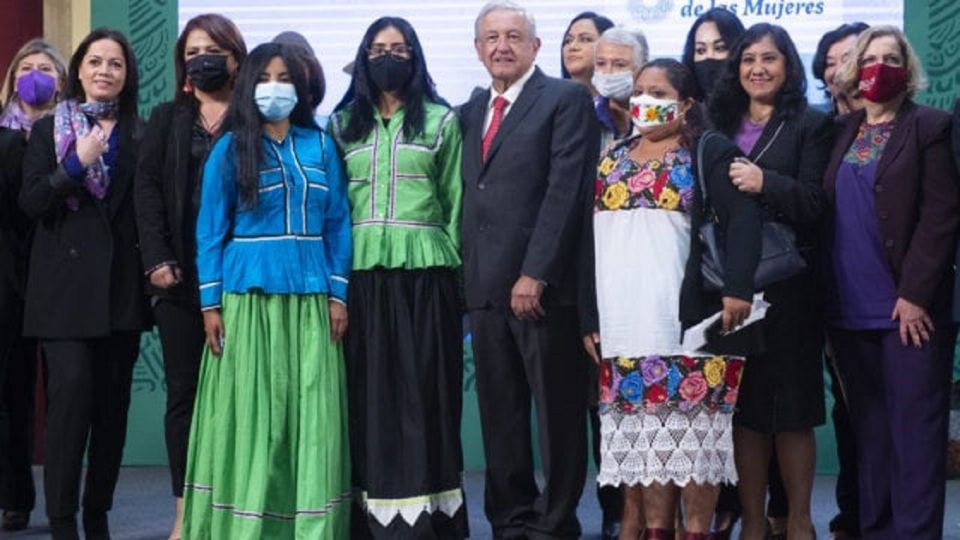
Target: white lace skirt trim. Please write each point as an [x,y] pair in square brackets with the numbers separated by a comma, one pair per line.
[667,447]
[385,510]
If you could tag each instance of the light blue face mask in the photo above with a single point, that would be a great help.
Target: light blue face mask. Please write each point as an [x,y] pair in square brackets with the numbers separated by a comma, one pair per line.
[275,99]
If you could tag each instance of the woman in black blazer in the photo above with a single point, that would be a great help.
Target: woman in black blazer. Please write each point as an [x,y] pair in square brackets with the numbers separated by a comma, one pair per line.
[84,297]
[177,139]
[760,102]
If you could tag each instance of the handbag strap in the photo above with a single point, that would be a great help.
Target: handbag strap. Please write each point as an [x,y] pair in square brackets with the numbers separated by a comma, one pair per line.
[707,135]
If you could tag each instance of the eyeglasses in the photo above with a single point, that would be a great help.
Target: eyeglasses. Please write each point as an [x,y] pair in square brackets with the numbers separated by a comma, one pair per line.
[397,49]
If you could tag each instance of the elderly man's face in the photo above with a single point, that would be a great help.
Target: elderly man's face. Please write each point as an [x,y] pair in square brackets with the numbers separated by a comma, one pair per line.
[505,46]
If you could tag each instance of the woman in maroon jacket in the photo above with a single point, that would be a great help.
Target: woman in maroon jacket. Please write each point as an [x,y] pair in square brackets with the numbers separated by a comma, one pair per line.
[893,189]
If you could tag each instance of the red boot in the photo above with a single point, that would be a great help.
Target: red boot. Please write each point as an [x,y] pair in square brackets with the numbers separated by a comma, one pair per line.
[658,534]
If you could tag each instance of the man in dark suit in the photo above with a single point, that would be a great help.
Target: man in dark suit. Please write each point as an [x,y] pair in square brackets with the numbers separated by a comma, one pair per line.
[529,159]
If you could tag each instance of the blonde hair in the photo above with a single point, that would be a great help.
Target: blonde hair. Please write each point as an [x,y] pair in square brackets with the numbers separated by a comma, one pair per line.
[34,46]
[848,76]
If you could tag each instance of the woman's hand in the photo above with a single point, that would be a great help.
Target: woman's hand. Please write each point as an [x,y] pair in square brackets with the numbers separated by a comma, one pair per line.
[915,325]
[746,176]
[91,146]
[213,327]
[338,319]
[590,342]
[735,311]
[166,276]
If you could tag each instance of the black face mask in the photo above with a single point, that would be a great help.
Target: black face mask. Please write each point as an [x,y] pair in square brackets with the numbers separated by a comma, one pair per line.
[707,72]
[208,72]
[390,73]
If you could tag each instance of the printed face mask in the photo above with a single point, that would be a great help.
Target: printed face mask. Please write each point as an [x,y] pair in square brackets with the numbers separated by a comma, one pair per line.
[616,86]
[208,72]
[36,88]
[275,100]
[880,83]
[648,111]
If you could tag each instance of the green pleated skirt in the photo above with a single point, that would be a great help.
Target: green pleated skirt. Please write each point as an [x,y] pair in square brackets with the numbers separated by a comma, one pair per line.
[269,453]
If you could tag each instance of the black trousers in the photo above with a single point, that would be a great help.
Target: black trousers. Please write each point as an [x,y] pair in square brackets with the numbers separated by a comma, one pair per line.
[88,395]
[18,379]
[847,491]
[516,361]
[182,339]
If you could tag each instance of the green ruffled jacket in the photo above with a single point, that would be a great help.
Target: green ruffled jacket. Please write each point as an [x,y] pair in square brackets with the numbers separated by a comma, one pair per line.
[405,195]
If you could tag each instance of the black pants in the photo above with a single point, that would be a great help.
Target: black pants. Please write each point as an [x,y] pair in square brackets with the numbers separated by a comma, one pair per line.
[18,379]
[88,395]
[516,361]
[182,339]
[848,497]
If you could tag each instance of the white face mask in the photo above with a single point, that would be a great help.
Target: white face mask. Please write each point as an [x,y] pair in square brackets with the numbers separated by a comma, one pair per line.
[275,99]
[616,86]
[648,111]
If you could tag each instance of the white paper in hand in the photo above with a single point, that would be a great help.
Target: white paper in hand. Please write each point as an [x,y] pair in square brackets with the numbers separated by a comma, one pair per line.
[695,338]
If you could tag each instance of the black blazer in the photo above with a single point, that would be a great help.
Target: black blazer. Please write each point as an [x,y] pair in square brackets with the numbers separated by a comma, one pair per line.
[85,278]
[793,168]
[15,226]
[916,198]
[162,194]
[523,208]
[956,262]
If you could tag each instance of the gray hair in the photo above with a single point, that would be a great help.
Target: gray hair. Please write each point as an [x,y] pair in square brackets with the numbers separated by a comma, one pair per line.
[632,38]
[504,5]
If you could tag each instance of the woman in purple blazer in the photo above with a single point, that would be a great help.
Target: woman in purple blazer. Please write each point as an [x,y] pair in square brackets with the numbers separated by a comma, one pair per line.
[893,189]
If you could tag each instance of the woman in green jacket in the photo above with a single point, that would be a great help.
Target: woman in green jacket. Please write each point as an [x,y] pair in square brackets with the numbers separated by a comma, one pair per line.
[400,144]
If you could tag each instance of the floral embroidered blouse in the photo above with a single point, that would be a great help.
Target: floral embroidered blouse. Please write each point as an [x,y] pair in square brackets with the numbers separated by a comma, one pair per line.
[624,184]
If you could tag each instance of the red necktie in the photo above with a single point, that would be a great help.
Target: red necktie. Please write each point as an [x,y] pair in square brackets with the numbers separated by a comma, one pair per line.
[499,104]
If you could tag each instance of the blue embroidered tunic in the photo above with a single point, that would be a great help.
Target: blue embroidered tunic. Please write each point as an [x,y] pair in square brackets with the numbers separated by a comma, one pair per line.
[296,240]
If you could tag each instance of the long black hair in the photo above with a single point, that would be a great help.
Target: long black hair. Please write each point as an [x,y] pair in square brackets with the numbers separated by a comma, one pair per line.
[819,66]
[729,101]
[599,21]
[730,28]
[127,105]
[684,82]
[363,95]
[245,118]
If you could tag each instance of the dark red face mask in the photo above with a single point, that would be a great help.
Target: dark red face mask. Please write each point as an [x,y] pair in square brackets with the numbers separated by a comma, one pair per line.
[880,83]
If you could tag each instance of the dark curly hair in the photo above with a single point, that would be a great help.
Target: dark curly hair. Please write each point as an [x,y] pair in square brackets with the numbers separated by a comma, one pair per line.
[684,82]
[247,122]
[730,28]
[599,21]
[839,33]
[729,101]
[363,95]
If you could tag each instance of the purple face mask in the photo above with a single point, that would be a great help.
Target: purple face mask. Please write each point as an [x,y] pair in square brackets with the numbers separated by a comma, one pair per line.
[36,88]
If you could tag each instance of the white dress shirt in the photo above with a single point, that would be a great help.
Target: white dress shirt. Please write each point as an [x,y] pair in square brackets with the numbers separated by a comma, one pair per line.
[511,94]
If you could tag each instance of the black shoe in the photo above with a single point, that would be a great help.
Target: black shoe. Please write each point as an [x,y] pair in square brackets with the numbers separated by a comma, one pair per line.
[95,526]
[64,528]
[15,521]
[610,530]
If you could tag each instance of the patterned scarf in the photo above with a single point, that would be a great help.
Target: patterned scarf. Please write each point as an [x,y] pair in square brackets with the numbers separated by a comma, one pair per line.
[71,120]
[14,117]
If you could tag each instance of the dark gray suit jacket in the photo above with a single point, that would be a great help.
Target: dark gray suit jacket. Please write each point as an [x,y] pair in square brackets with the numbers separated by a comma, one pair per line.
[523,208]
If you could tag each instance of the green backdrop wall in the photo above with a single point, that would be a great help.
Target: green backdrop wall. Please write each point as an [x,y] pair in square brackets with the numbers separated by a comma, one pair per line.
[932,25]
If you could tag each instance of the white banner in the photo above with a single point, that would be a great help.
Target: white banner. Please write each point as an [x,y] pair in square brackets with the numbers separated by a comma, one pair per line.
[445,28]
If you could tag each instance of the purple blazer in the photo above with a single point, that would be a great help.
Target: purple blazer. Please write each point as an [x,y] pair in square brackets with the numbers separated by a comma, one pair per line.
[917,198]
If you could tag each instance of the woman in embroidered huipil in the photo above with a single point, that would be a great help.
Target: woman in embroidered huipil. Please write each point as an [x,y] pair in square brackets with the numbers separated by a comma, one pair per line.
[268,454]
[665,410]
[401,150]
[892,185]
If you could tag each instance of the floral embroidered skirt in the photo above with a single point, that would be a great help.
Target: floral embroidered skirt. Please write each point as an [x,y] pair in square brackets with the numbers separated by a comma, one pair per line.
[269,453]
[668,419]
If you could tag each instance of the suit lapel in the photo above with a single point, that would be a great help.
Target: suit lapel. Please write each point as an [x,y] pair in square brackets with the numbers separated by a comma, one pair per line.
[902,131]
[126,163]
[844,140]
[526,99]
[472,142]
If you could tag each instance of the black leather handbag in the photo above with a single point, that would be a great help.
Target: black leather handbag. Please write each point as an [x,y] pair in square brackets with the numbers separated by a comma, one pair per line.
[779,256]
